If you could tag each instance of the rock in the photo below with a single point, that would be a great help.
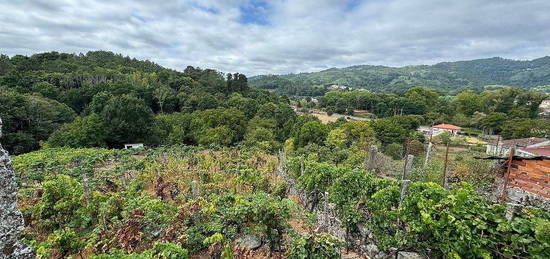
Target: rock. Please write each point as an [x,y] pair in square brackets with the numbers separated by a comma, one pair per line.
[409,255]
[364,230]
[372,249]
[250,241]
[11,219]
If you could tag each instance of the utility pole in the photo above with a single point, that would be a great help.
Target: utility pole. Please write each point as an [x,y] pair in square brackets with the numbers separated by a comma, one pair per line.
[445,167]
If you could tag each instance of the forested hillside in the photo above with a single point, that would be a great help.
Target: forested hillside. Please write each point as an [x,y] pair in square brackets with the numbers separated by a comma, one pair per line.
[101,99]
[451,77]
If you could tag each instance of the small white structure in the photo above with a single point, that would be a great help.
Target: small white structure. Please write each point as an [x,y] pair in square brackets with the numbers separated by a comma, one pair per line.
[135,145]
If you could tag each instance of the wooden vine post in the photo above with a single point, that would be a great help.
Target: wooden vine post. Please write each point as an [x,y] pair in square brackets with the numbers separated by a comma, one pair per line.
[443,181]
[428,153]
[405,179]
[507,176]
[370,162]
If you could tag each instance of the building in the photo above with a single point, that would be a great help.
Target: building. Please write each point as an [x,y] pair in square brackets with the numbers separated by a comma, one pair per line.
[135,145]
[527,181]
[440,128]
[502,147]
[545,106]
[545,103]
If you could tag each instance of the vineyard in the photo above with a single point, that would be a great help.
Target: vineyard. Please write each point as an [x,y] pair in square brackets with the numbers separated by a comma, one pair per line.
[440,223]
[162,203]
[182,202]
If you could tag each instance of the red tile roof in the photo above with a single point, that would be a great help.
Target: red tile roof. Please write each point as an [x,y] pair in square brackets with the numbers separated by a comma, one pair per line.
[539,151]
[447,126]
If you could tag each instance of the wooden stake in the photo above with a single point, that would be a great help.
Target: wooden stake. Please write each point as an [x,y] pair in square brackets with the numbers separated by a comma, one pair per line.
[428,153]
[445,167]
[371,158]
[497,153]
[507,176]
[405,179]
[407,167]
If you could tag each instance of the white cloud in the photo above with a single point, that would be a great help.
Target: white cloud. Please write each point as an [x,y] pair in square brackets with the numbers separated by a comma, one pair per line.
[301,35]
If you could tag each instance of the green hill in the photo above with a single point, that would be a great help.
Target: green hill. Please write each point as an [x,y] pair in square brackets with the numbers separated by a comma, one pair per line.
[450,77]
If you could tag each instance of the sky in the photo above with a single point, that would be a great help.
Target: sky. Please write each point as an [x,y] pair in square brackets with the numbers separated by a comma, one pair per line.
[280,36]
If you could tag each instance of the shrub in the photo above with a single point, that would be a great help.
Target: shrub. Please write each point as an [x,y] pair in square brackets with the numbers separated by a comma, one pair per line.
[160,250]
[60,244]
[60,203]
[394,150]
[312,246]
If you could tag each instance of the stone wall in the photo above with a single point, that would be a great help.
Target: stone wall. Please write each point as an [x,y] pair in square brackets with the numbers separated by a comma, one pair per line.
[11,219]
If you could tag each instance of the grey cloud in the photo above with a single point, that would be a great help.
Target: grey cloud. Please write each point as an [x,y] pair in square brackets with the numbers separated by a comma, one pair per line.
[303,35]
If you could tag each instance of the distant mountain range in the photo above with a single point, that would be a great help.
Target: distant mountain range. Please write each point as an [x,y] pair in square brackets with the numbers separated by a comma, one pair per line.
[448,77]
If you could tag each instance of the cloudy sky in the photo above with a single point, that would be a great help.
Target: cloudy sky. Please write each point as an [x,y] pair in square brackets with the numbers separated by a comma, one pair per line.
[280,36]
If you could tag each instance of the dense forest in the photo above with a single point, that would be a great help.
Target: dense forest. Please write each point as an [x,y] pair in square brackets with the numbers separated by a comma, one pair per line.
[447,77]
[105,100]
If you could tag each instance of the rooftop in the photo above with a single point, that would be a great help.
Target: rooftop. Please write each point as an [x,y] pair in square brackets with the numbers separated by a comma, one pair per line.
[538,151]
[521,142]
[447,126]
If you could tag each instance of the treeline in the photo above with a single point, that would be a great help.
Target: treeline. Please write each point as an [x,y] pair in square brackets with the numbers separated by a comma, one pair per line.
[447,77]
[101,99]
[512,112]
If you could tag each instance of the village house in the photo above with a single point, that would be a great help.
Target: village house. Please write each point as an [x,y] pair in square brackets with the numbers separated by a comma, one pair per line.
[440,128]
[502,147]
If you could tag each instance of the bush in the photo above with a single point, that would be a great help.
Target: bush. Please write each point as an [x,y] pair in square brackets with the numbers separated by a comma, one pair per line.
[314,246]
[60,244]
[61,201]
[159,250]
[394,150]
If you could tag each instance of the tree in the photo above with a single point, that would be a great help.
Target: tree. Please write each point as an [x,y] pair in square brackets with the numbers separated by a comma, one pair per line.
[29,119]
[161,94]
[127,120]
[82,132]
[424,100]
[493,122]
[359,133]
[524,128]
[311,132]
[389,131]
[172,129]
[468,102]
[220,126]
[246,105]
[261,132]
[336,139]
[394,150]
